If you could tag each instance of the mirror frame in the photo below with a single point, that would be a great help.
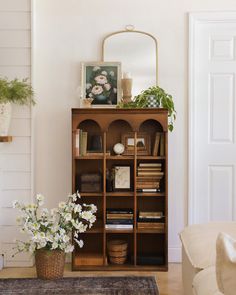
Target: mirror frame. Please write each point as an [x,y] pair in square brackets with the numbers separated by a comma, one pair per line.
[131,29]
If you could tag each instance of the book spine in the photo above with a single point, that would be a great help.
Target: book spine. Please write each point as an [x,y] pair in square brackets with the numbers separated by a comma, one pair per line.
[80,142]
[119,221]
[77,144]
[84,143]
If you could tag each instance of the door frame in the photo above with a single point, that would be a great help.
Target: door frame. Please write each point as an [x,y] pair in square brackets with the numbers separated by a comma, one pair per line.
[195,19]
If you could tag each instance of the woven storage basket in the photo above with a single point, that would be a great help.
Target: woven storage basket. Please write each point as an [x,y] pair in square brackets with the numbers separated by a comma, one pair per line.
[117,251]
[49,264]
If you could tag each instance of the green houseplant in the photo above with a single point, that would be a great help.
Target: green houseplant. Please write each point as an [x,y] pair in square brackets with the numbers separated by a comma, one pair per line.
[12,91]
[160,98]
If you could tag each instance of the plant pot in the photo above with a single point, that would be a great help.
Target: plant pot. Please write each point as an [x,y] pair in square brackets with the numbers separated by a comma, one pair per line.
[5,118]
[49,264]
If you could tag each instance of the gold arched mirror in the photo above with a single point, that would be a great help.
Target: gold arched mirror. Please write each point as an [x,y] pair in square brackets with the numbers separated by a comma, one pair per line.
[138,53]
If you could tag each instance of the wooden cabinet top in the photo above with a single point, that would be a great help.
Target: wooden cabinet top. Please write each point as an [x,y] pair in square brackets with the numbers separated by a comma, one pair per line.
[105,116]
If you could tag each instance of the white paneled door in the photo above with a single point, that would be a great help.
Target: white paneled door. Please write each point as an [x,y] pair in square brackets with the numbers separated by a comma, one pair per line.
[212,119]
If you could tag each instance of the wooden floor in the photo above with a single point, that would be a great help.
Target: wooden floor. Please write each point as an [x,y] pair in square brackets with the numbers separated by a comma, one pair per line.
[169,283]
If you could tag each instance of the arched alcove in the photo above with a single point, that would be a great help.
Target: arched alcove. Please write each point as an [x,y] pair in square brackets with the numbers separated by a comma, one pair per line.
[115,131]
[94,135]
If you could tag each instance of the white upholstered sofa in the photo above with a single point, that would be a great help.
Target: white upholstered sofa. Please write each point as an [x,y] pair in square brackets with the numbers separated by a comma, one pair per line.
[199,257]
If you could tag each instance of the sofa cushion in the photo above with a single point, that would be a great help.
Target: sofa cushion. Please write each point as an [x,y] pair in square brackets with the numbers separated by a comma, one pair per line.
[199,241]
[204,282]
[226,264]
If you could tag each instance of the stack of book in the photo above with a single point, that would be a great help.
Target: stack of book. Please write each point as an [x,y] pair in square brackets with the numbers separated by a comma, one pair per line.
[149,176]
[151,220]
[119,219]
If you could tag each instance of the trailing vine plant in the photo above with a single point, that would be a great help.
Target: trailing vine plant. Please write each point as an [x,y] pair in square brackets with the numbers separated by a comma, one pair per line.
[161,98]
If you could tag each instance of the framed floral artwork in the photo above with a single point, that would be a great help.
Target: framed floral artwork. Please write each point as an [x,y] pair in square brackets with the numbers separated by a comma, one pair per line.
[101,83]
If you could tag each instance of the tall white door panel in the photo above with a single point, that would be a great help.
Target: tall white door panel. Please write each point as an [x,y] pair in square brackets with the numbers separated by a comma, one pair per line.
[212,117]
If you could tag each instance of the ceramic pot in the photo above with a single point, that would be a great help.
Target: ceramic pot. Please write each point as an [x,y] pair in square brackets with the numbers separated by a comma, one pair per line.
[5,118]
[49,264]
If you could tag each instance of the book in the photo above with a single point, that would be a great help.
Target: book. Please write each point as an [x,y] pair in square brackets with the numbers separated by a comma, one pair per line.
[84,143]
[150,173]
[149,168]
[151,225]
[156,144]
[119,221]
[150,213]
[146,178]
[150,165]
[119,226]
[77,144]
[118,211]
[162,145]
[148,190]
[119,216]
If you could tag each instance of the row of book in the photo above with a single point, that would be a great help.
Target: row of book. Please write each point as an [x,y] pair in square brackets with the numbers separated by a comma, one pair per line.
[81,138]
[119,219]
[149,176]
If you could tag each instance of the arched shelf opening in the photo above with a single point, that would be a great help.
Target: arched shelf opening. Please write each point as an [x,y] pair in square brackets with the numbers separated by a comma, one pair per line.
[152,127]
[115,131]
[93,137]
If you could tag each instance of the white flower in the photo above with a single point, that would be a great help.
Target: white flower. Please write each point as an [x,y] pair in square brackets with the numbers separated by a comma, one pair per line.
[86,215]
[16,204]
[69,248]
[104,73]
[68,217]
[62,205]
[79,242]
[90,94]
[77,208]
[96,90]
[111,73]
[107,86]
[65,239]
[101,79]
[114,90]
[54,245]
[96,68]
[88,85]
[40,199]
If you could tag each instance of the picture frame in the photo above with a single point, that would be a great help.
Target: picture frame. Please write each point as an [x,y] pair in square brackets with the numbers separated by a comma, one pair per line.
[143,143]
[122,180]
[101,83]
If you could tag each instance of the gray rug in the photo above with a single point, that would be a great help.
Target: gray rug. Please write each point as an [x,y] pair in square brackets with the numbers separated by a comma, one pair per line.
[130,285]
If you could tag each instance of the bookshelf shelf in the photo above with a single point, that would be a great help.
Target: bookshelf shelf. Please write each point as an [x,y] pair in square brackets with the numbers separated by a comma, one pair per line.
[151,194]
[109,126]
[150,158]
[91,194]
[119,231]
[120,194]
[120,158]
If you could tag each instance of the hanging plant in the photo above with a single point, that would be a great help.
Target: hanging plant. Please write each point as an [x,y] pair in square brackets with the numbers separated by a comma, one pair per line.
[158,97]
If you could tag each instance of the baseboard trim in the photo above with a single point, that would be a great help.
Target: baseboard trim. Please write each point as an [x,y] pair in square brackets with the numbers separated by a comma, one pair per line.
[175,254]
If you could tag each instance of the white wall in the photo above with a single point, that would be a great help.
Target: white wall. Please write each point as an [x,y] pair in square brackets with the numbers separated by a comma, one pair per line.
[15,157]
[67,32]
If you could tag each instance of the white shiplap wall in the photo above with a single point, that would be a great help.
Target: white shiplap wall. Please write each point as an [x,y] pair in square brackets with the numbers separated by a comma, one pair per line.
[15,157]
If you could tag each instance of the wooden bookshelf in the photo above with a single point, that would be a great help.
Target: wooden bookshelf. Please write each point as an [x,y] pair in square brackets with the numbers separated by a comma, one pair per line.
[110,124]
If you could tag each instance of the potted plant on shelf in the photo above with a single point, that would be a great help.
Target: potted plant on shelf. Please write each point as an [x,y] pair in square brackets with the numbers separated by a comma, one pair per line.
[51,232]
[14,91]
[153,97]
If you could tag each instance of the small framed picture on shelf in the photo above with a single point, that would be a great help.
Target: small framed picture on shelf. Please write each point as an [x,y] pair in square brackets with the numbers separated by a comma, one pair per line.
[142,143]
[121,178]
[101,83]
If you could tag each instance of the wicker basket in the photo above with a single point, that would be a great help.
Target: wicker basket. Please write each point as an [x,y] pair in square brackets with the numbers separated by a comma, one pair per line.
[117,251]
[49,264]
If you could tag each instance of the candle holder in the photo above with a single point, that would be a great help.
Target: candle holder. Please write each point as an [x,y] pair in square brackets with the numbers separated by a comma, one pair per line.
[126,85]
